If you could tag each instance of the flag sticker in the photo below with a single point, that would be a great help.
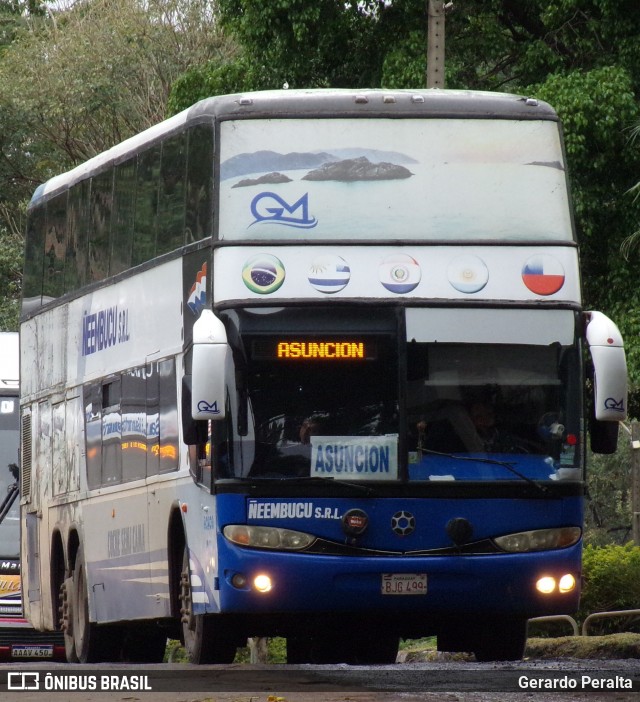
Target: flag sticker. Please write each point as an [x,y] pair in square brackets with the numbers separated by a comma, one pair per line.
[543,274]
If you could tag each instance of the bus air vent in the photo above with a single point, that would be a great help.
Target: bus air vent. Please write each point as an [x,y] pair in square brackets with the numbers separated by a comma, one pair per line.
[26,456]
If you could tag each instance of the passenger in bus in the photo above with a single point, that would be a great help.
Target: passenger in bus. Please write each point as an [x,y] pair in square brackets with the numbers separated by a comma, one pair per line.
[449,430]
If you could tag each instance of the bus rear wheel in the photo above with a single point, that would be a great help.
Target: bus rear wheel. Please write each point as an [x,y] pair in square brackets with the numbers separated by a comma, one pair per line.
[66,619]
[206,638]
[92,642]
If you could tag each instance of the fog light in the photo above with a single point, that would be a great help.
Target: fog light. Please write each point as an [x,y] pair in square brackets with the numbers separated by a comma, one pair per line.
[546,585]
[262,583]
[567,583]
[239,581]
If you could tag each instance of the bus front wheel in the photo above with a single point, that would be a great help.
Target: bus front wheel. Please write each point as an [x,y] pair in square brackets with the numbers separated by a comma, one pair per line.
[206,638]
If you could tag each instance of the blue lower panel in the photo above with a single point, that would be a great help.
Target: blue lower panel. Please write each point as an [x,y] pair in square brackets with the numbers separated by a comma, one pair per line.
[501,584]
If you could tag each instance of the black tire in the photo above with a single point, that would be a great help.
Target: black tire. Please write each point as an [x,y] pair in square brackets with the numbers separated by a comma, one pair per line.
[93,643]
[206,638]
[66,604]
[501,640]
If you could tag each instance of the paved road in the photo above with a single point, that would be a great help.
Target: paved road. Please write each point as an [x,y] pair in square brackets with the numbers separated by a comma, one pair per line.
[444,681]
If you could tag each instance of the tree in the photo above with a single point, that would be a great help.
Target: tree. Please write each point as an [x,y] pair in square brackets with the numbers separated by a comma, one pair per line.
[582,56]
[74,82]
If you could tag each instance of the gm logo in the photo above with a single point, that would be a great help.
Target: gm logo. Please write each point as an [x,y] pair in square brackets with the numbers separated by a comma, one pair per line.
[23,681]
[612,404]
[270,207]
[208,407]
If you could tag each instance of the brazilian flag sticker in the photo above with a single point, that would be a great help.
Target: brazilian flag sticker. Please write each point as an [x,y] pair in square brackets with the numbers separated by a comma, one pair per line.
[263,274]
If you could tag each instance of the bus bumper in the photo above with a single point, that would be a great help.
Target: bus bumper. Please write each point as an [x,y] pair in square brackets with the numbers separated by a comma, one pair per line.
[19,641]
[500,584]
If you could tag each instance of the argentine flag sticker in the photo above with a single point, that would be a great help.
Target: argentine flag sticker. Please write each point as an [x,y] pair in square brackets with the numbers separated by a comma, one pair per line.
[468,274]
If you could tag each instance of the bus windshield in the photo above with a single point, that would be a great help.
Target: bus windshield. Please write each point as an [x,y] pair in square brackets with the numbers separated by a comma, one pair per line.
[355,406]
[430,179]
[9,442]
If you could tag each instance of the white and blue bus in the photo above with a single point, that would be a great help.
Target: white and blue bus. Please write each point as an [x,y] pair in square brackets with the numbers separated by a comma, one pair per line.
[311,364]
[18,640]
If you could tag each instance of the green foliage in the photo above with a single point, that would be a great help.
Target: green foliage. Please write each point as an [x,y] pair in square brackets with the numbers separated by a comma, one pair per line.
[608,506]
[611,577]
[10,279]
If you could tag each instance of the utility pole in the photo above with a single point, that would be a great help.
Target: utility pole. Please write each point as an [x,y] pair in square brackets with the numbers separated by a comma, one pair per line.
[435,43]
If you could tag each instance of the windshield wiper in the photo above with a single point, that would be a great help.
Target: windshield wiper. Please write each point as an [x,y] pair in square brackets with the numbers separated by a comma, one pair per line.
[302,479]
[332,481]
[491,461]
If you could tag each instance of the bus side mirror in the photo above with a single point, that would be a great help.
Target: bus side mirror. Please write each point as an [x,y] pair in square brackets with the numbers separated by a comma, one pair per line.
[609,381]
[194,432]
[609,368]
[208,368]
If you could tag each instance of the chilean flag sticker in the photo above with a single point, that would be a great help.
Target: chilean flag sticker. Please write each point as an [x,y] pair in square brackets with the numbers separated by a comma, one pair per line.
[543,274]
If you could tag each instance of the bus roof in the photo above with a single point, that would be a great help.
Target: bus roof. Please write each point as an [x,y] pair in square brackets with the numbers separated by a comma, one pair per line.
[327,103]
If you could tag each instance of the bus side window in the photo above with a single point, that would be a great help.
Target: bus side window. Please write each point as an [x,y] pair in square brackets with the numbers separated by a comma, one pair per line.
[111,433]
[93,431]
[134,425]
[199,208]
[124,196]
[153,419]
[75,271]
[100,221]
[168,416]
[146,210]
[55,246]
[171,195]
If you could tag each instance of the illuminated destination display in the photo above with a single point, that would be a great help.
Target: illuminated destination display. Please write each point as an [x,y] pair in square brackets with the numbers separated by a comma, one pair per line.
[314,349]
[321,349]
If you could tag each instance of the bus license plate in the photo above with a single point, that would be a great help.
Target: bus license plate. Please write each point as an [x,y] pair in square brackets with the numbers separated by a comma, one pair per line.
[33,651]
[404,583]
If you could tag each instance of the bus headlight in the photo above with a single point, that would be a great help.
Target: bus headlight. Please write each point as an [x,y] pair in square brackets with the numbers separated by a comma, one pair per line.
[538,540]
[267,537]
[547,584]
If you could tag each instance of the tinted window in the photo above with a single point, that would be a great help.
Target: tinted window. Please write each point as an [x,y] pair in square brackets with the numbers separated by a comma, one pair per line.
[101,204]
[93,423]
[134,424]
[111,433]
[168,416]
[146,212]
[76,266]
[123,216]
[171,195]
[55,243]
[34,256]
[153,419]
[199,211]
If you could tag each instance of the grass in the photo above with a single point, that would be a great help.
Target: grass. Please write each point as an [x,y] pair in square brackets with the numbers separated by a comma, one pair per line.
[613,646]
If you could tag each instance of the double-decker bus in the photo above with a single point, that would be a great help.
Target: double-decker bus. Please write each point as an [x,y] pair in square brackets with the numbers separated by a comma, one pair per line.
[311,364]
[18,640]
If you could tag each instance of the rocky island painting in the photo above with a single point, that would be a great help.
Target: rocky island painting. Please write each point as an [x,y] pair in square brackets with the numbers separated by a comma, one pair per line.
[342,165]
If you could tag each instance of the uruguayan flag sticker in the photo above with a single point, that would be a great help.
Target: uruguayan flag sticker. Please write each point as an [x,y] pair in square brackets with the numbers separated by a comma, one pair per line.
[329,273]
[399,273]
[468,274]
